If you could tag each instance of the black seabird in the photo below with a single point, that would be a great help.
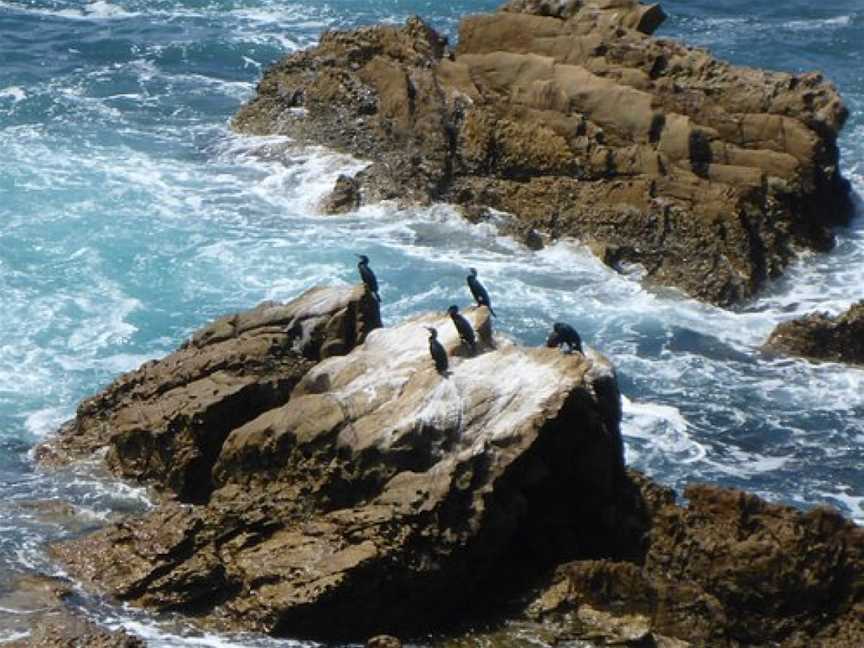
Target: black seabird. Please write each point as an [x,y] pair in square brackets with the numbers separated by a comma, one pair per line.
[479,292]
[463,327]
[368,277]
[439,355]
[564,334]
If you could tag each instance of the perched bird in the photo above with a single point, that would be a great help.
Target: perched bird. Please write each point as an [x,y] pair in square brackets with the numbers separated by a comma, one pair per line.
[439,355]
[368,277]
[479,292]
[564,334]
[463,327]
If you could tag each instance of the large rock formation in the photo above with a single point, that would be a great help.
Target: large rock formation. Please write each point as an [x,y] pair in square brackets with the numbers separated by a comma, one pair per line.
[375,495]
[727,570]
[572,117]
[819,336]
[352,500]
[165,423]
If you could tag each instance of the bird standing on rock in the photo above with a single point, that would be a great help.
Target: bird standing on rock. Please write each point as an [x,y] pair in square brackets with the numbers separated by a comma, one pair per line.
[439,355]
[479,292]
[564,334]
[368,277]
[463,327]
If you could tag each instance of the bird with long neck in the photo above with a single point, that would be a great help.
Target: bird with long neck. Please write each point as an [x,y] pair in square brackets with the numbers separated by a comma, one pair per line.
[564,334]
[463,327]
[437,351]
[368,277]
[478,291]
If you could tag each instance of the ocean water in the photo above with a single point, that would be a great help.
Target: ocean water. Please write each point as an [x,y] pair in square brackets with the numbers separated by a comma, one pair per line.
[130,215]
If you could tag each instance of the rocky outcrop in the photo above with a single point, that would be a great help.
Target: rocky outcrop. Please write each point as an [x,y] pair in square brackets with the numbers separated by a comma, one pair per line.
[165,423]
[368,488]
[726,570]
[38,605]
[569,115]
[819,336]
[344,198]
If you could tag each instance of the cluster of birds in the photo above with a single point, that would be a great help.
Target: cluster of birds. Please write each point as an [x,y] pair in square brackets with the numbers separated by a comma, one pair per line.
[563,335]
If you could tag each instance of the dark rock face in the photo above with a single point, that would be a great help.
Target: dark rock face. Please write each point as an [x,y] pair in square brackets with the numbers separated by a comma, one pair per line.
[821,337]
[573,118]
[727,570]
[370,486]
[165,423]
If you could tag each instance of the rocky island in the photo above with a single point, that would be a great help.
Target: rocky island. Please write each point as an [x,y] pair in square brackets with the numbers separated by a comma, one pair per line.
[571,117]
[316,477]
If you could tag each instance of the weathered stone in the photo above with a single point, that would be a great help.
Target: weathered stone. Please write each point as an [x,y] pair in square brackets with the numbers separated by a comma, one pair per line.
[344,198]
[38,607]
[727,570]
[378,485]
[819,336]
[569,116]
[165,423]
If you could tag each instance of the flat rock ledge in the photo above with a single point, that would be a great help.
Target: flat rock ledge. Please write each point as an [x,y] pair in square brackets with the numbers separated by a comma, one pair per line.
[375,496]
[820,337]
[573,118]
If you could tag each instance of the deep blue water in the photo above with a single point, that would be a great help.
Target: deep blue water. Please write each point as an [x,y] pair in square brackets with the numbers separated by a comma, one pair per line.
[130,215]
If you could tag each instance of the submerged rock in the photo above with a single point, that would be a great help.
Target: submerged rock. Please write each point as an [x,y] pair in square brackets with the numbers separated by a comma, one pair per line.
[378,493]
[819,336]
[572,117]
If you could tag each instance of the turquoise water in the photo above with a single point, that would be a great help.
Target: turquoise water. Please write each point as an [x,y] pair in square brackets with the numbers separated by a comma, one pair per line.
[130,215]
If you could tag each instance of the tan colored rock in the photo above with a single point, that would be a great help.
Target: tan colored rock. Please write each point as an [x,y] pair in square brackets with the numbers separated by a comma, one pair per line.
[165,422]
[378,485]
[344,198]
[570,116]
[40,611]
[819,336]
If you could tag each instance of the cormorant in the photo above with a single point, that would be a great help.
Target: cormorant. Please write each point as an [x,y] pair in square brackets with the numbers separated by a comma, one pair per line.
[368,277]
[439,355]
[564,334]
[463,326]
[479,292]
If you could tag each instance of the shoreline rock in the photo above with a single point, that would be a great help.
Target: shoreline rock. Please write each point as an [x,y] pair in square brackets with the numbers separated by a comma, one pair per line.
[573,118]
[368,489]
[164,424]
[39,604]
[820,337]
[398,501]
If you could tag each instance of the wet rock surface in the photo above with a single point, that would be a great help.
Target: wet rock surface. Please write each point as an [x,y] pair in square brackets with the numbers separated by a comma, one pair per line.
[35,606]
[572,117]
[819,336]
[375,485]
